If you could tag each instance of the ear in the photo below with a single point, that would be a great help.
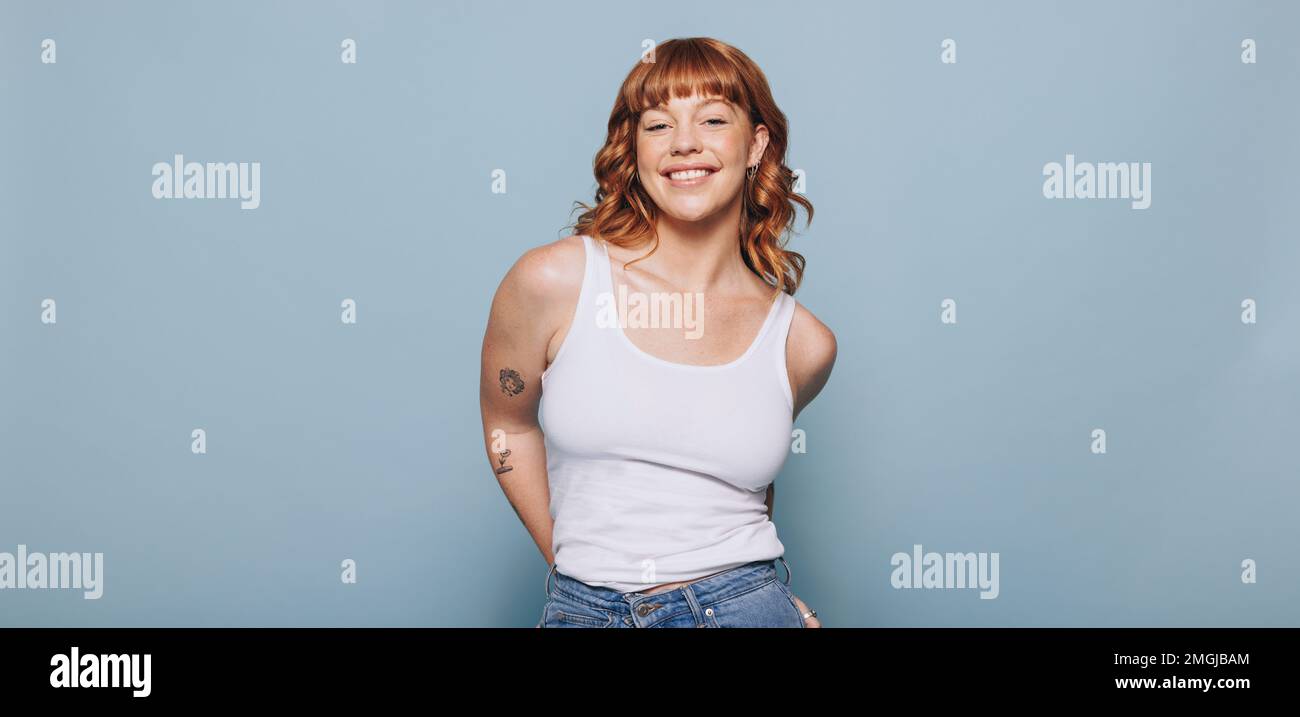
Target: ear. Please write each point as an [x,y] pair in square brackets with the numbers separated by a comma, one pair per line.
[758,145]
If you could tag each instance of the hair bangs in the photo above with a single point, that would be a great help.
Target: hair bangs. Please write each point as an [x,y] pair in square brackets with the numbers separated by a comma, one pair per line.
[683,70]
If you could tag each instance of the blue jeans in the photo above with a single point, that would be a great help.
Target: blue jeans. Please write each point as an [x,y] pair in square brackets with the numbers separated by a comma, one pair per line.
[751,595]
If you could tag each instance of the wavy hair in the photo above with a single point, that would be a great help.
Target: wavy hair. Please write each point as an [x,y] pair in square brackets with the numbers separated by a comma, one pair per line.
[624,214]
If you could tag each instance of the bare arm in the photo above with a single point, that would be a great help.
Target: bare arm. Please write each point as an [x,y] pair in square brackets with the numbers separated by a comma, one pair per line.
[517,454]
[810,356]
[525,317]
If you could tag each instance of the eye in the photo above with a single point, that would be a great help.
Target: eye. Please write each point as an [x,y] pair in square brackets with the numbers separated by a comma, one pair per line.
[657,125]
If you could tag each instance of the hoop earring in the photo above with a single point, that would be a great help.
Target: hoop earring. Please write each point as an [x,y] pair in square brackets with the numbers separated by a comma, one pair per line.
[744,192]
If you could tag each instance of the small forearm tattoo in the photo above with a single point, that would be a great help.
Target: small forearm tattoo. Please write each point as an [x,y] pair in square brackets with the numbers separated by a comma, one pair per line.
[512,384]
[503,468]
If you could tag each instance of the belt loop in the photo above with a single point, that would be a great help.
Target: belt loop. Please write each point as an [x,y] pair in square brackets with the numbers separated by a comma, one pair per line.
[787,568]
[548,580]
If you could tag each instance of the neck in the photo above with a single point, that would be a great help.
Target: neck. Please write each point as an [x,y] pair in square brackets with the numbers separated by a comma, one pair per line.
[700,256]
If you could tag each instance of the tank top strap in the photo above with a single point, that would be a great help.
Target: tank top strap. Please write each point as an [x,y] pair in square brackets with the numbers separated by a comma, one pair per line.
[604,267]
[600,280]
[597,300]
[783,316]
[581,323]
[774,344]
[590,282]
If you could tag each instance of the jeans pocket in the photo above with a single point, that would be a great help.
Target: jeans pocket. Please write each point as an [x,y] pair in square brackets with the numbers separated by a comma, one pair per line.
[789,595]
[768,605]
[562,612]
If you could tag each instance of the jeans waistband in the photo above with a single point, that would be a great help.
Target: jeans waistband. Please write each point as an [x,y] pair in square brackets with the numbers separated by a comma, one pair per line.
[708,589]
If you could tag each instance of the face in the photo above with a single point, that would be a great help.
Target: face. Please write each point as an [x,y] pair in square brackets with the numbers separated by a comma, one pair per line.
[708,133]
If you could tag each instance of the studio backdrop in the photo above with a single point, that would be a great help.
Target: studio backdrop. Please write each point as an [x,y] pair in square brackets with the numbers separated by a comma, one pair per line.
[1058,245]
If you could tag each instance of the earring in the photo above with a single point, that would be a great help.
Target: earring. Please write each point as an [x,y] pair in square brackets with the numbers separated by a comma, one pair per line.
[752,171]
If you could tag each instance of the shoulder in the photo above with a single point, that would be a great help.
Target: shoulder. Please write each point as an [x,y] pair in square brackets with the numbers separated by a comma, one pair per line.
[546,277]
[811,341]
[539,293]
[810,354]
[549,269]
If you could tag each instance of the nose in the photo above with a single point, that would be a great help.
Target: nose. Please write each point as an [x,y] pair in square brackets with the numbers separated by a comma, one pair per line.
[684,139]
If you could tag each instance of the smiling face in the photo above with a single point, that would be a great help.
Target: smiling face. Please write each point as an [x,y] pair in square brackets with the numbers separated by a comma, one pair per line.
[711,141]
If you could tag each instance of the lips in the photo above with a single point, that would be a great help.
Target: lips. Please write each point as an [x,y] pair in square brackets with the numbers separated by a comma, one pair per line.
[692,181]
[687,166]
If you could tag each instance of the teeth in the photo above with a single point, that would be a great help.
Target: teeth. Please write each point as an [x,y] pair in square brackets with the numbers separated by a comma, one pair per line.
[690,174]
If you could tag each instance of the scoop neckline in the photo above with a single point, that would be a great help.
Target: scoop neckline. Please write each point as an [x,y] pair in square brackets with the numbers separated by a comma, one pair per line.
[753,345]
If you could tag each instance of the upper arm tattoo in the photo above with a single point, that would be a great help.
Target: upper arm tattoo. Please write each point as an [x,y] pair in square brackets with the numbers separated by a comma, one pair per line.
[512,384]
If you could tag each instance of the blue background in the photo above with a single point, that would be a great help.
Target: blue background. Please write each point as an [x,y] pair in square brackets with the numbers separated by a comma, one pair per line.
[329,441]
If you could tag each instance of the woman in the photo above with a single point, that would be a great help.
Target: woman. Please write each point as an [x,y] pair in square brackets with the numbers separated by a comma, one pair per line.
[668,415]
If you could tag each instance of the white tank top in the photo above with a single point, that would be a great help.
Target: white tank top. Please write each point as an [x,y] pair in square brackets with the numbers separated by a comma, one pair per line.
[658,470]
